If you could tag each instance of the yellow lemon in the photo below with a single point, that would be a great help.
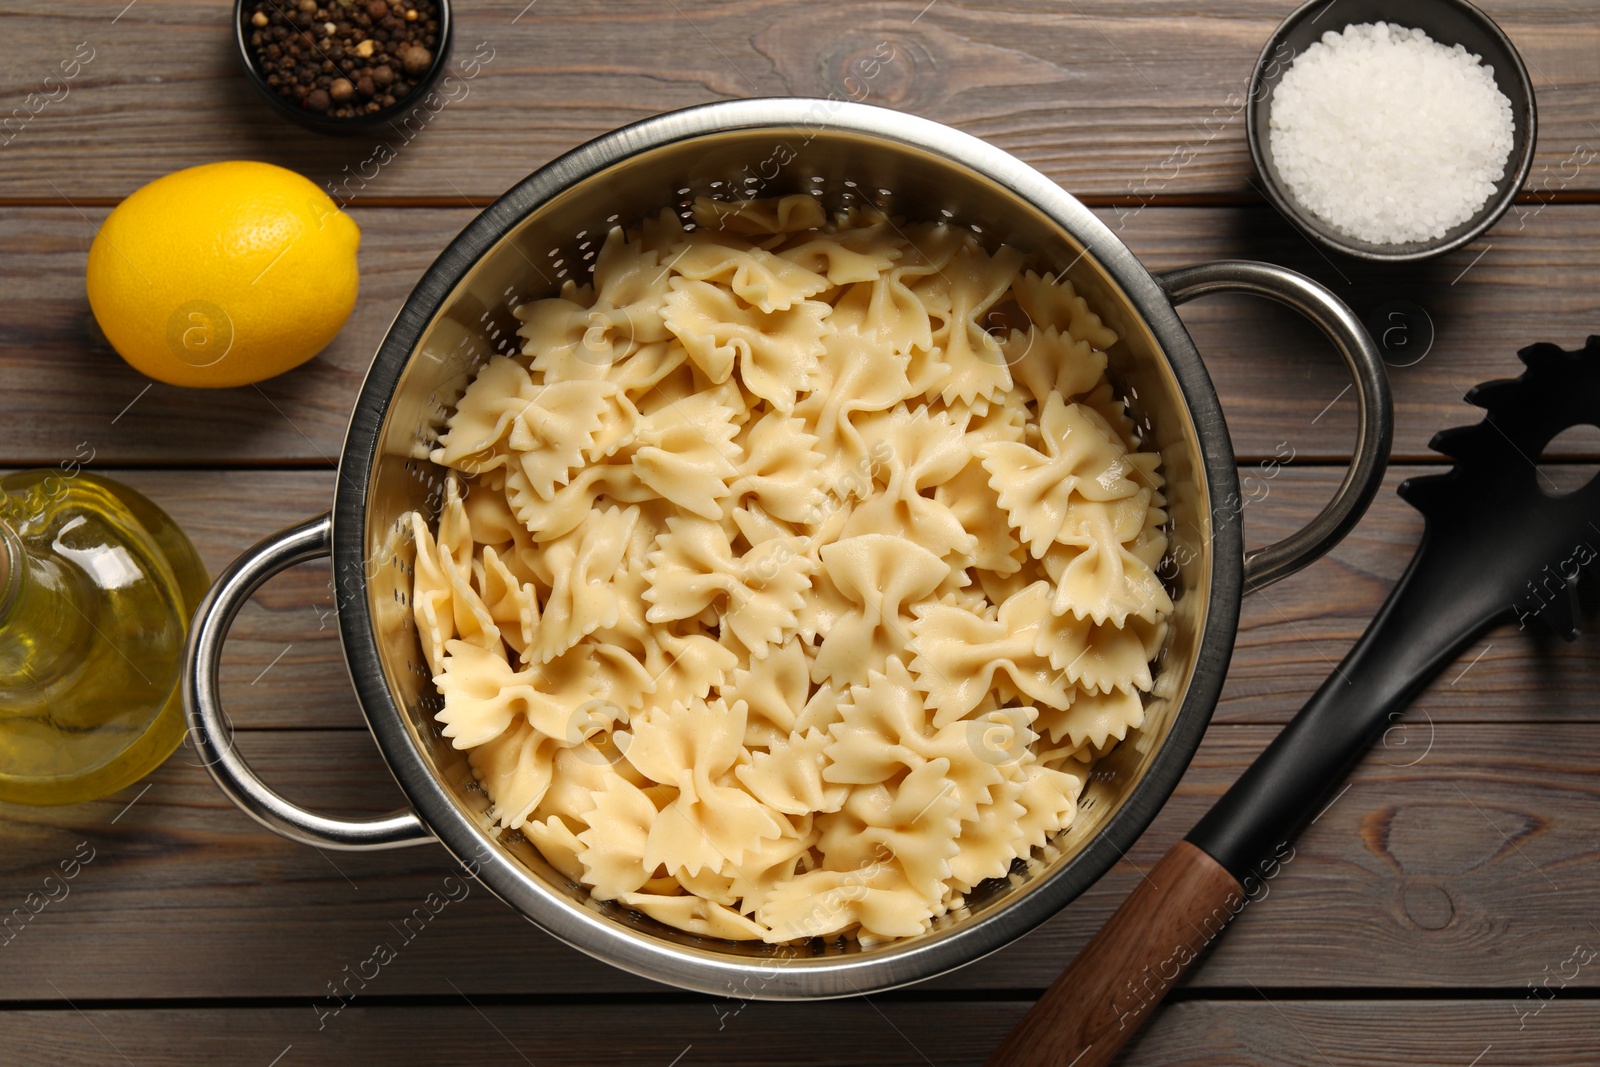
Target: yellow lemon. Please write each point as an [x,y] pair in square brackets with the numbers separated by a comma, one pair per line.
[223,274]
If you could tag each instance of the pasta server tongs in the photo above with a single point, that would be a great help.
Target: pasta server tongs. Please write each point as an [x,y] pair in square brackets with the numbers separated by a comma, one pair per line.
[1499,543]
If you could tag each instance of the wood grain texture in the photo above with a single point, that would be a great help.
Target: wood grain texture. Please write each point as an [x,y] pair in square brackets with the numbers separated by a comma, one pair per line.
[1280,383]
[1458,866]
[1290,638]
[1104,96]
[1471,869]
[884,1033]
[1119,980]
[66,389]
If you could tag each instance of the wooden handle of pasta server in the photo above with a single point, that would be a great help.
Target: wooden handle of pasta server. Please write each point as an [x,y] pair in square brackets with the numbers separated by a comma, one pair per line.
[1114,985]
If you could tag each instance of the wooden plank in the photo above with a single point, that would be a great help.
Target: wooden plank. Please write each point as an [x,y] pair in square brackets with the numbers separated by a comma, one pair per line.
[1293,634]
[885,1032]
[1472,868]
[1129,98]
[1280,384]
[67,390]
[284,667]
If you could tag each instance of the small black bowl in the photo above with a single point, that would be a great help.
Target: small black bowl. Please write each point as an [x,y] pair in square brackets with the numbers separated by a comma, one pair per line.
[1449,22]
[323,123]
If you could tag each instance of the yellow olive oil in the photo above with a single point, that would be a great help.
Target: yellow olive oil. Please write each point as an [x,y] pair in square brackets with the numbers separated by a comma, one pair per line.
[97,587]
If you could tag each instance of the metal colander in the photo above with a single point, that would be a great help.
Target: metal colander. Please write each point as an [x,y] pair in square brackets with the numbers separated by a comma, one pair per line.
[548,229]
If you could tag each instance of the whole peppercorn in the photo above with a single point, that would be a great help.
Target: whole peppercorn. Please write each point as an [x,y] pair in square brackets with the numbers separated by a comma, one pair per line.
[416,59]
[318,100]
[341,90]
[383,75]
[259,19]
[377,9]
[365,87]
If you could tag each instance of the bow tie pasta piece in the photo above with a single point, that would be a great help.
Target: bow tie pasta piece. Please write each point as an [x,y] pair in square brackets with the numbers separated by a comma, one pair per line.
[444,603]
[512,605]
[991,839]
[959,653]
[776,861]
[1096,576]
[1053,302]
[1049,798]
[800,570]
[970,500]
[698,664]
[558,342]
[516,769]
[971,285]
[774,690]
[847,258]
[614,843]
[1150,544]
[557,844]
[640,373]
[693,749]
[483,414]
[695,915]
[919,452]
[1092,718]
[581,334]
[564,511]
[760,591]
[857,374]
[581,564]
[1005,420]
[630,284]
[1100,657]
[492,524]
[795,213]
[888,311]
[877,899]
[1044,361]
[687,453]
[880,723]
[781,470]
[882,576]
[756,527]
[775,352]
[548,429]
[914,821]
[1037,489]
[767,282]
[883,731]
[483,695]
[788,777]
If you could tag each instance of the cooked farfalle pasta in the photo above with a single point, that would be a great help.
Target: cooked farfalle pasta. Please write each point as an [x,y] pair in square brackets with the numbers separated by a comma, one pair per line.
[791,580]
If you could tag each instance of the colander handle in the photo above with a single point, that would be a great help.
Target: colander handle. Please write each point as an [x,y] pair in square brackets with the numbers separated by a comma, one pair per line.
[1374,409]
[212,733]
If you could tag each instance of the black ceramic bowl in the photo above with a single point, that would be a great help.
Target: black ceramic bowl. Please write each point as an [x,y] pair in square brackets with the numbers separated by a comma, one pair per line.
[1449,22]
[324,123]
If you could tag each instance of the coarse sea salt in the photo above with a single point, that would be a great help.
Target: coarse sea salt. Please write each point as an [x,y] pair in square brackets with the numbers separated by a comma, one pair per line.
[1388,135]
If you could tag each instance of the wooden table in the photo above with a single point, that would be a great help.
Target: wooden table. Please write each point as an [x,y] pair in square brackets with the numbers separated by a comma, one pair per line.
[1454,875]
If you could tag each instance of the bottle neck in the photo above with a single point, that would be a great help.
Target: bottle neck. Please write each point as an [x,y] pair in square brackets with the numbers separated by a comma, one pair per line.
[42,629]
